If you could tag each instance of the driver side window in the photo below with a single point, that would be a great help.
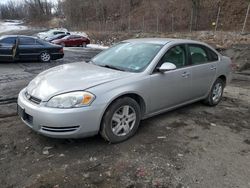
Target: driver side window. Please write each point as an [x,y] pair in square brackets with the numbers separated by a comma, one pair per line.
[175,55]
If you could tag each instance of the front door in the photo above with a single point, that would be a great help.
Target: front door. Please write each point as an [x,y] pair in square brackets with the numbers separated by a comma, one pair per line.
[6,49]
[171,88]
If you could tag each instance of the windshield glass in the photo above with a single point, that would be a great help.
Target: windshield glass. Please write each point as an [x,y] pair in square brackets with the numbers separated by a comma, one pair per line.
[132,57]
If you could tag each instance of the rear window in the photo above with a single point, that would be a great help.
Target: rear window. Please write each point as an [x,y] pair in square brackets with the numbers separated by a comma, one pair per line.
[78,37]
[58,32]
[198,54]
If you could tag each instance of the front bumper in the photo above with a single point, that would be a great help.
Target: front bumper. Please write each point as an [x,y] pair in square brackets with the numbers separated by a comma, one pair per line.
[60,123]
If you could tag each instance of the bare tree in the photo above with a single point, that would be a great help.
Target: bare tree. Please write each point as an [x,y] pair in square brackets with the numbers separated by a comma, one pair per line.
[12,10]
[245,21]
[195,14]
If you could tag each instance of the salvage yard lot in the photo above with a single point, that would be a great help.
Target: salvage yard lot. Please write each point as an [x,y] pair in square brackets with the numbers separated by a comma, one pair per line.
[194,146]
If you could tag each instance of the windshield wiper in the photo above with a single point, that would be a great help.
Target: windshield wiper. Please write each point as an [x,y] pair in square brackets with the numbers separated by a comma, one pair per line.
[112,67]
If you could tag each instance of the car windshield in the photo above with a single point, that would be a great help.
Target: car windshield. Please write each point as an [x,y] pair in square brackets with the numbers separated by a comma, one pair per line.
[132,57]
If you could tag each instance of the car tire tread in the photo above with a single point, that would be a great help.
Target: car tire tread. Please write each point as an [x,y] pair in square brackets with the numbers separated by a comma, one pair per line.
[105,130]
[209,101]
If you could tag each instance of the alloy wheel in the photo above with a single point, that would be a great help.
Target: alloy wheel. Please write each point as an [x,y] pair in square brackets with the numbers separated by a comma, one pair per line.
[123,120]
[217,92]
[45,57]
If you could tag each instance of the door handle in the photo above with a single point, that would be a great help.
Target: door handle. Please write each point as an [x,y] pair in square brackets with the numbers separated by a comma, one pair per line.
[185,74]
[213,68]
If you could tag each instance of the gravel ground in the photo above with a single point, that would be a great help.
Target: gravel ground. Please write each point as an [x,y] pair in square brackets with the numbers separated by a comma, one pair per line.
[194,146]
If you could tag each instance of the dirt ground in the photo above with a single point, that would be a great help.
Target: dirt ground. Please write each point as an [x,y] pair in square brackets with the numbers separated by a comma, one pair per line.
[191,147]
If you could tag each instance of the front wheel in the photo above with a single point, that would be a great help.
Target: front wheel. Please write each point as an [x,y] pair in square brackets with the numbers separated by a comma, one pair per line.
[216,93]
[121,120]
[45,57]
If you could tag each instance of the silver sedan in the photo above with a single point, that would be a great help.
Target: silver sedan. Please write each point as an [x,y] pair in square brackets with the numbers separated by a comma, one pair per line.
[133,80]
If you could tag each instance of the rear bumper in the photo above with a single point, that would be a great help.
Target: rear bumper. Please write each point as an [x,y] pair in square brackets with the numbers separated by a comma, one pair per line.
[55,56]
[60,123]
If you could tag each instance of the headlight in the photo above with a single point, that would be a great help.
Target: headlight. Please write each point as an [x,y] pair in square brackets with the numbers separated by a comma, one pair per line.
[71,100]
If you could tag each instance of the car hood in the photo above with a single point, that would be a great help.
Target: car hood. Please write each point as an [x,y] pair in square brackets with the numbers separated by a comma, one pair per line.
[71,77]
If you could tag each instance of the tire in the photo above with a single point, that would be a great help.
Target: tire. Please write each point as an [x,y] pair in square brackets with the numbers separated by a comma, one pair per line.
[45,57]
[116,126]
[84,45]
[216,93]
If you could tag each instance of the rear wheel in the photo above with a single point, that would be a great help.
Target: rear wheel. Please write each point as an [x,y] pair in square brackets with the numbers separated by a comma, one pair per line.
[121,120]
[84,45]
[45,57]
[216,93]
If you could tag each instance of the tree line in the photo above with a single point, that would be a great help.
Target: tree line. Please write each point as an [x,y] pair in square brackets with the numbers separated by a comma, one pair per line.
[127,15]
[32,10]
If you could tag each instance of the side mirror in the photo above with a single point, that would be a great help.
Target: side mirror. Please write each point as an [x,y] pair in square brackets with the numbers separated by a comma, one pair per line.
[167,67]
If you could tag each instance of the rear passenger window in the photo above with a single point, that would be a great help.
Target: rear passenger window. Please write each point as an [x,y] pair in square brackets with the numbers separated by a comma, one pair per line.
[27,41]
[198,55]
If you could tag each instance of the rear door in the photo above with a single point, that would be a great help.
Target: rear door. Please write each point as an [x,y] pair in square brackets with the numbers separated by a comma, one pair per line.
[78,41]
[29,48]
[6,48]
[204,64]
[68,41]
[73,40]
[172,88]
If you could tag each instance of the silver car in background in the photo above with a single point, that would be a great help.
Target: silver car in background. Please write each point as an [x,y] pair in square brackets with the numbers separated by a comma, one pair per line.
[131,81]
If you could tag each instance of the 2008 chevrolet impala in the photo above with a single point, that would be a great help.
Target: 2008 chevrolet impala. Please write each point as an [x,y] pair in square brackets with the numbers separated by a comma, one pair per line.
[130,81]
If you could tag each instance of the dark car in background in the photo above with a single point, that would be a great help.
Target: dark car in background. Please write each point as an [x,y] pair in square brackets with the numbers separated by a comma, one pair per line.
[72,40]
[56,37]
[19,48]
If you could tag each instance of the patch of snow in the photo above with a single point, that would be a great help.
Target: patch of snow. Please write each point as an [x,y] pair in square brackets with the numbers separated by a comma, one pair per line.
[79,33]
[97,46]
[10,26]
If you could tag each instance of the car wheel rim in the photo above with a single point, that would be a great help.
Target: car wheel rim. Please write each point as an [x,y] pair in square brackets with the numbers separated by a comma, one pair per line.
[45,57]
[217,92]
[123,120]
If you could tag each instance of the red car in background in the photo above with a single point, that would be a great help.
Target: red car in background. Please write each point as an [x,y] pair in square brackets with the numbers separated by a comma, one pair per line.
[72,40]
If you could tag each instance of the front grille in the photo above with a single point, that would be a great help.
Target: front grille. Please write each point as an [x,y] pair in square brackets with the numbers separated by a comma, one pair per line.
[32,99]
[60,129]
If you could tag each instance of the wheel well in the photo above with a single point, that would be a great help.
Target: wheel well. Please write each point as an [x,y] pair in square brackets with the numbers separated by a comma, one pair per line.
[223,78]
[137,98]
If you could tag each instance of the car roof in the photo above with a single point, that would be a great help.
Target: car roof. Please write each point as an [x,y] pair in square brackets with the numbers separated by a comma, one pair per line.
[57,35]
[6,36]
[76,35]
[57,30]
[162,41]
